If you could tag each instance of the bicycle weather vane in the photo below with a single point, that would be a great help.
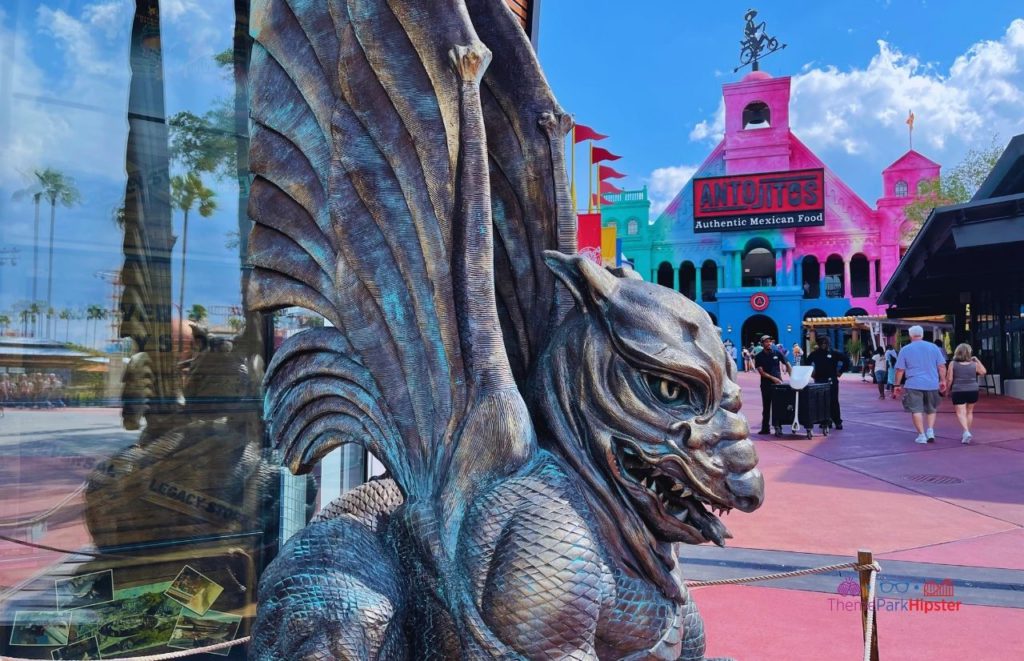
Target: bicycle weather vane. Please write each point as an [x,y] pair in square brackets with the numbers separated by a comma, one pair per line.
[756,43]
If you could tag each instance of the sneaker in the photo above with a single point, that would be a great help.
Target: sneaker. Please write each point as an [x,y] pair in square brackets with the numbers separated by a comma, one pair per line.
[930,435]
[921,438]
[839,425]
[764,431]
[966,440]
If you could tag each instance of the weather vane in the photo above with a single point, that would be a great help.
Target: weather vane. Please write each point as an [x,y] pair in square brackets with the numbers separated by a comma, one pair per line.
[756,43]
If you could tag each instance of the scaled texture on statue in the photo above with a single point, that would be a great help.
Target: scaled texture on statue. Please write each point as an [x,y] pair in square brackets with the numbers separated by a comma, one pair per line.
[551,432]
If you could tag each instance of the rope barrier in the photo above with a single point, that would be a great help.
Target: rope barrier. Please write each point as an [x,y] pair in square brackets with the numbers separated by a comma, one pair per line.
[788,574]
[873,567]
[167,655]
[869,628]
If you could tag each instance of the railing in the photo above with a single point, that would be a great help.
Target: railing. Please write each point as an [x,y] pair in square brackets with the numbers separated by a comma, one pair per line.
[627,196]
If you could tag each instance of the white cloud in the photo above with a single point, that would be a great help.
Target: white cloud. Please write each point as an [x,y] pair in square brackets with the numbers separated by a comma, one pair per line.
[108,16]
[711,131]
[68,114]
[863,110]
[665,183]
[174,10]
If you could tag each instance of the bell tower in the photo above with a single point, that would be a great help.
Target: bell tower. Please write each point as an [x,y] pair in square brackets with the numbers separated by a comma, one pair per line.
[757,124]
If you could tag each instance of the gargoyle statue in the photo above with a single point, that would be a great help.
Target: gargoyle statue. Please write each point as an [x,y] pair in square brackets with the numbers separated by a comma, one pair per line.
[546,449]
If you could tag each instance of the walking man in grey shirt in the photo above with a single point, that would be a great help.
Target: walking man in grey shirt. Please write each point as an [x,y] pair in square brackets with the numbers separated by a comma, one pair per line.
[924,366]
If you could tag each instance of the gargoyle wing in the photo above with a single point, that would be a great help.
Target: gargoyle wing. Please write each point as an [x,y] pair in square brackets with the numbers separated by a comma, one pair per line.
[526,131]
[371,207]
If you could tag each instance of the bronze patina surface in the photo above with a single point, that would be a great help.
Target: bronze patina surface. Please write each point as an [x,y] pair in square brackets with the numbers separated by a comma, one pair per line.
[551,432]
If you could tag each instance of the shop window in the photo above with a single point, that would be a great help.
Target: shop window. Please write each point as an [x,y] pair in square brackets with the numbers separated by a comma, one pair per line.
[758,264]
[834,277]
[688,280]
[860,285]
[901,188]
[811,277]
[709,281]
[757,115]
[666,276]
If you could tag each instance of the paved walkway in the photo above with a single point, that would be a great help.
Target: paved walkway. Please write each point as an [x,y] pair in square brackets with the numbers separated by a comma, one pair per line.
[928,512]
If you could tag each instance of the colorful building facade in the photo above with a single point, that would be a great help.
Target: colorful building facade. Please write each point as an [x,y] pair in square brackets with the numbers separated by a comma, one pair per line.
[766,277]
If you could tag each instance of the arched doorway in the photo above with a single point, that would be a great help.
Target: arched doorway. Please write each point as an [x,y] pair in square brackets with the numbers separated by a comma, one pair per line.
[860,276]
[834,286]
[811,277]
[688,280]
[758,264]
[666,276]
[709,281]
[757,325]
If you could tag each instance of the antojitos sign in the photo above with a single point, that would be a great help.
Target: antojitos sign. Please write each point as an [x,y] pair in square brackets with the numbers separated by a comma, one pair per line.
[770,200]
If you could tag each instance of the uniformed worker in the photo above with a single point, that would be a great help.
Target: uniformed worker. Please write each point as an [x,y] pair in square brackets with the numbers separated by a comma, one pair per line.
[770,365]
[828,365]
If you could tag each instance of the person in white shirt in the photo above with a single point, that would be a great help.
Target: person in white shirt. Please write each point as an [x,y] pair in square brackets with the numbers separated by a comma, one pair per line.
[878,358]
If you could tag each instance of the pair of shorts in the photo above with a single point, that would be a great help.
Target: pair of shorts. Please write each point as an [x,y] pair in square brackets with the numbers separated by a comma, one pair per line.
[968,397]
[920,401]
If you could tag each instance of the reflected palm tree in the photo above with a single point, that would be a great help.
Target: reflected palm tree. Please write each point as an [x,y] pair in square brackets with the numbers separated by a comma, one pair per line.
[67,315]
[5,321]
[34,311]
[56,188]
[188,190]
[35,191]
[94,313]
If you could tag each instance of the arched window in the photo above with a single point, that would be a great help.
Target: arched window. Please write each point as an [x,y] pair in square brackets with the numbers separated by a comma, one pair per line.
[901,188]
[860,284]
[758,264]
[811,277]
[834,277]
[709,281]
[757,116]
[814,313]
[666,277]
[688,280]
[632,227]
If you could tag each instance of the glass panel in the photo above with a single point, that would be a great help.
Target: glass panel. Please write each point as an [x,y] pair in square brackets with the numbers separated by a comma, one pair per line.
[140,498]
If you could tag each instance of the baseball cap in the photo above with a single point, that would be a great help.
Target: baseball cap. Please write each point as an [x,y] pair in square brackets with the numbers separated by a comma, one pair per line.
[765,337]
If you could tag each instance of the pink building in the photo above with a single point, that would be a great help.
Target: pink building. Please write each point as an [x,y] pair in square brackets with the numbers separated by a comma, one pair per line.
[795,240]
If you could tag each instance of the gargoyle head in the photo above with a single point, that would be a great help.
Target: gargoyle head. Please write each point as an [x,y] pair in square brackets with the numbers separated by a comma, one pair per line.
[636,388]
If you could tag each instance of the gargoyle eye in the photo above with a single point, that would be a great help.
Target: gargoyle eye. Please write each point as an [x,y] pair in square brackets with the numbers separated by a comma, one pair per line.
[668,392]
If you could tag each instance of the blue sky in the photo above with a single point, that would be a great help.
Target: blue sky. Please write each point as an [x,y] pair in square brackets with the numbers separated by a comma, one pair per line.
[649,74]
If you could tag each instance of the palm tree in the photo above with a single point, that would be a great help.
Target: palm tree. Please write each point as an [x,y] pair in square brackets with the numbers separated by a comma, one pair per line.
[5,321]
[197,313]
[24,315]
[236,323]
[56,187]
[35,191]
[67,315]
[186,191]
[93,313]
[34,310]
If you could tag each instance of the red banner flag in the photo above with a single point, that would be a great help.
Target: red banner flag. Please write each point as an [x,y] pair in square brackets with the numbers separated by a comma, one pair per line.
[598,154]
[608,172]
[602,201]
[608,187]
[588,236]
[581,133]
